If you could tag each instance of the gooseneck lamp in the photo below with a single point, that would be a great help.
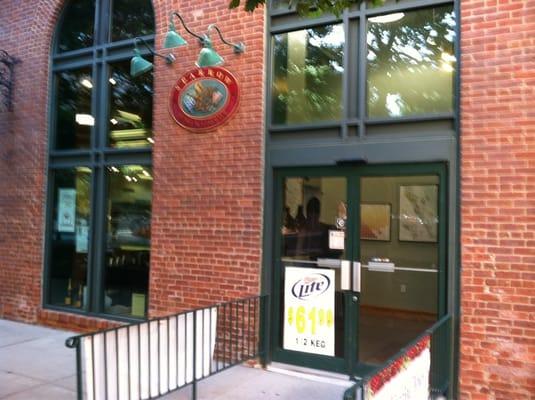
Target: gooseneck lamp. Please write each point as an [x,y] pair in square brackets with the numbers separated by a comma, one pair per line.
[138,65]
[208,57]
[172,38]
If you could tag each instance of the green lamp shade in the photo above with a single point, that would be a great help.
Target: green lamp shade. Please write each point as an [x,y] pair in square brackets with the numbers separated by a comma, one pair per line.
[173,39]
[208,57]
[138,65]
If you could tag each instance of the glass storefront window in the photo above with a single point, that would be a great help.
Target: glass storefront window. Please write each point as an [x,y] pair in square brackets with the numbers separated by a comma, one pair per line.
[307,75]
[77,26]
[99,113]
[73,109]
[411,63]
[128,240]
[130,119]
[70,237]
[127,24]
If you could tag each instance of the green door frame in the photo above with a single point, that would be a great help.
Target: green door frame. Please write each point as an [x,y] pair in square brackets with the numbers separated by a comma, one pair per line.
[353,173]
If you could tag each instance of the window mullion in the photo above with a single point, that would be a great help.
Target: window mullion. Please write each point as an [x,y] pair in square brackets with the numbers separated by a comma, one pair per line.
[99,239]
[103,106]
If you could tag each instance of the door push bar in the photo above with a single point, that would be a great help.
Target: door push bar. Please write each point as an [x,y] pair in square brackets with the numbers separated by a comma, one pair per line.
[350,272]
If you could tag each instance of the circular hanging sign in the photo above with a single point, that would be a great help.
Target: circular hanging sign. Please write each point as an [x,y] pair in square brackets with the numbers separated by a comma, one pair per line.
[204,98]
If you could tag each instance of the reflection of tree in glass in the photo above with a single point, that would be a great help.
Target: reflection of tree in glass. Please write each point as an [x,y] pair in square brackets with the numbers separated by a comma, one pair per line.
[73,98]
[130,96]
[83,184]
[77,25]
[411,63]
[132,18]
[307,76]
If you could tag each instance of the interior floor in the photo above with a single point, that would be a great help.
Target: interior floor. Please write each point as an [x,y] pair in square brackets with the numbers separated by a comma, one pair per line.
[383,334]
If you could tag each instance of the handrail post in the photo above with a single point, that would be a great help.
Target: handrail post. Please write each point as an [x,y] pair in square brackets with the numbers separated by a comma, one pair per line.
[75,342]
[264,332]
[79,370]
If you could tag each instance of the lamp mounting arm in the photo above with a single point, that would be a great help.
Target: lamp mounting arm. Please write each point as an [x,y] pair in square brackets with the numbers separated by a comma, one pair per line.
[238,47]
[176,14]
[169,58]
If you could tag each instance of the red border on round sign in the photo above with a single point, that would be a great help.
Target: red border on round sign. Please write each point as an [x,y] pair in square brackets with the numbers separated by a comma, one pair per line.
[204,124]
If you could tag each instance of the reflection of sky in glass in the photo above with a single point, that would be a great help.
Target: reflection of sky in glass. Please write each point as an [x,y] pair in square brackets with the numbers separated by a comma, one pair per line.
[335,38]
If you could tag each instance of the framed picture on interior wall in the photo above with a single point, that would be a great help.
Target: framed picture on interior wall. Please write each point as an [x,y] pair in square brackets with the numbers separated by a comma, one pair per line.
[418,213]
[375,221]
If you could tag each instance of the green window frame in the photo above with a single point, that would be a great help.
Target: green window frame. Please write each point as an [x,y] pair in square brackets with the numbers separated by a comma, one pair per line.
[380,84]
[100,146]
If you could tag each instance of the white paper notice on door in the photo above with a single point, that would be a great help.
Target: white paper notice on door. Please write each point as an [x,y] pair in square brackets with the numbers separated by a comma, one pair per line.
[336,240]
[309,310]
[66,210]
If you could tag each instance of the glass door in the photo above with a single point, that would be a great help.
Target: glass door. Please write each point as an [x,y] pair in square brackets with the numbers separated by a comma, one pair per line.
[359,263]
[312,269]
[401,249]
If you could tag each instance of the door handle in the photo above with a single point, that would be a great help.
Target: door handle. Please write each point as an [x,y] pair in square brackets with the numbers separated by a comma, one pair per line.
[356,277]
[345,277]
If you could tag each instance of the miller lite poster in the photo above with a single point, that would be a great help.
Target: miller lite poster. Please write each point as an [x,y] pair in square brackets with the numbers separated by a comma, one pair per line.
[309,310]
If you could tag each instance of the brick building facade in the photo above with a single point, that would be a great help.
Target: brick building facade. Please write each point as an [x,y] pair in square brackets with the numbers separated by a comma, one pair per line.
[497,170]
[209,202]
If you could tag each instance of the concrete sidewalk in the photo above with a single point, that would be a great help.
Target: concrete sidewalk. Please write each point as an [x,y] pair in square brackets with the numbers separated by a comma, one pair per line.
[36,365]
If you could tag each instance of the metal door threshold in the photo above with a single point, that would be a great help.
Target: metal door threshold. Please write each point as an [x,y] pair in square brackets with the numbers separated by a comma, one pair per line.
[311,374]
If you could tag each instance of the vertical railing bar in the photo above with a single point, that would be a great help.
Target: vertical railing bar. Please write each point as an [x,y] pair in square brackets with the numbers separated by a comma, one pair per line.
[256,339]
[93,366]
[194,386]
[168,354]
[249,328]
[149,338]
[226,336]
[231,335]
[158,351]
[128,364]
[186,348]
[106,363]
[177,350]
[210,356]
[216,358]
[202,344]
[243,330]
[235,304]
[117,360]
[139,360]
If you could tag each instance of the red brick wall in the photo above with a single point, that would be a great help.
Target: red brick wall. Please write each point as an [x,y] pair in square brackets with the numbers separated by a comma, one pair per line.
[207,206]
[25,32]
[207,195]
[498,199]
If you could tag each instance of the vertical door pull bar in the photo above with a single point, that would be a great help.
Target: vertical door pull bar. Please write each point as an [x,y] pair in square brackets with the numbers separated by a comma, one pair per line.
[356,276]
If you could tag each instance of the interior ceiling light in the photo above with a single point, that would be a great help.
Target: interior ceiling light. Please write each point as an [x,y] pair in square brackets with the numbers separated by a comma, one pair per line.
[87,83]
[84,119]
[112,81]
[385,19]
